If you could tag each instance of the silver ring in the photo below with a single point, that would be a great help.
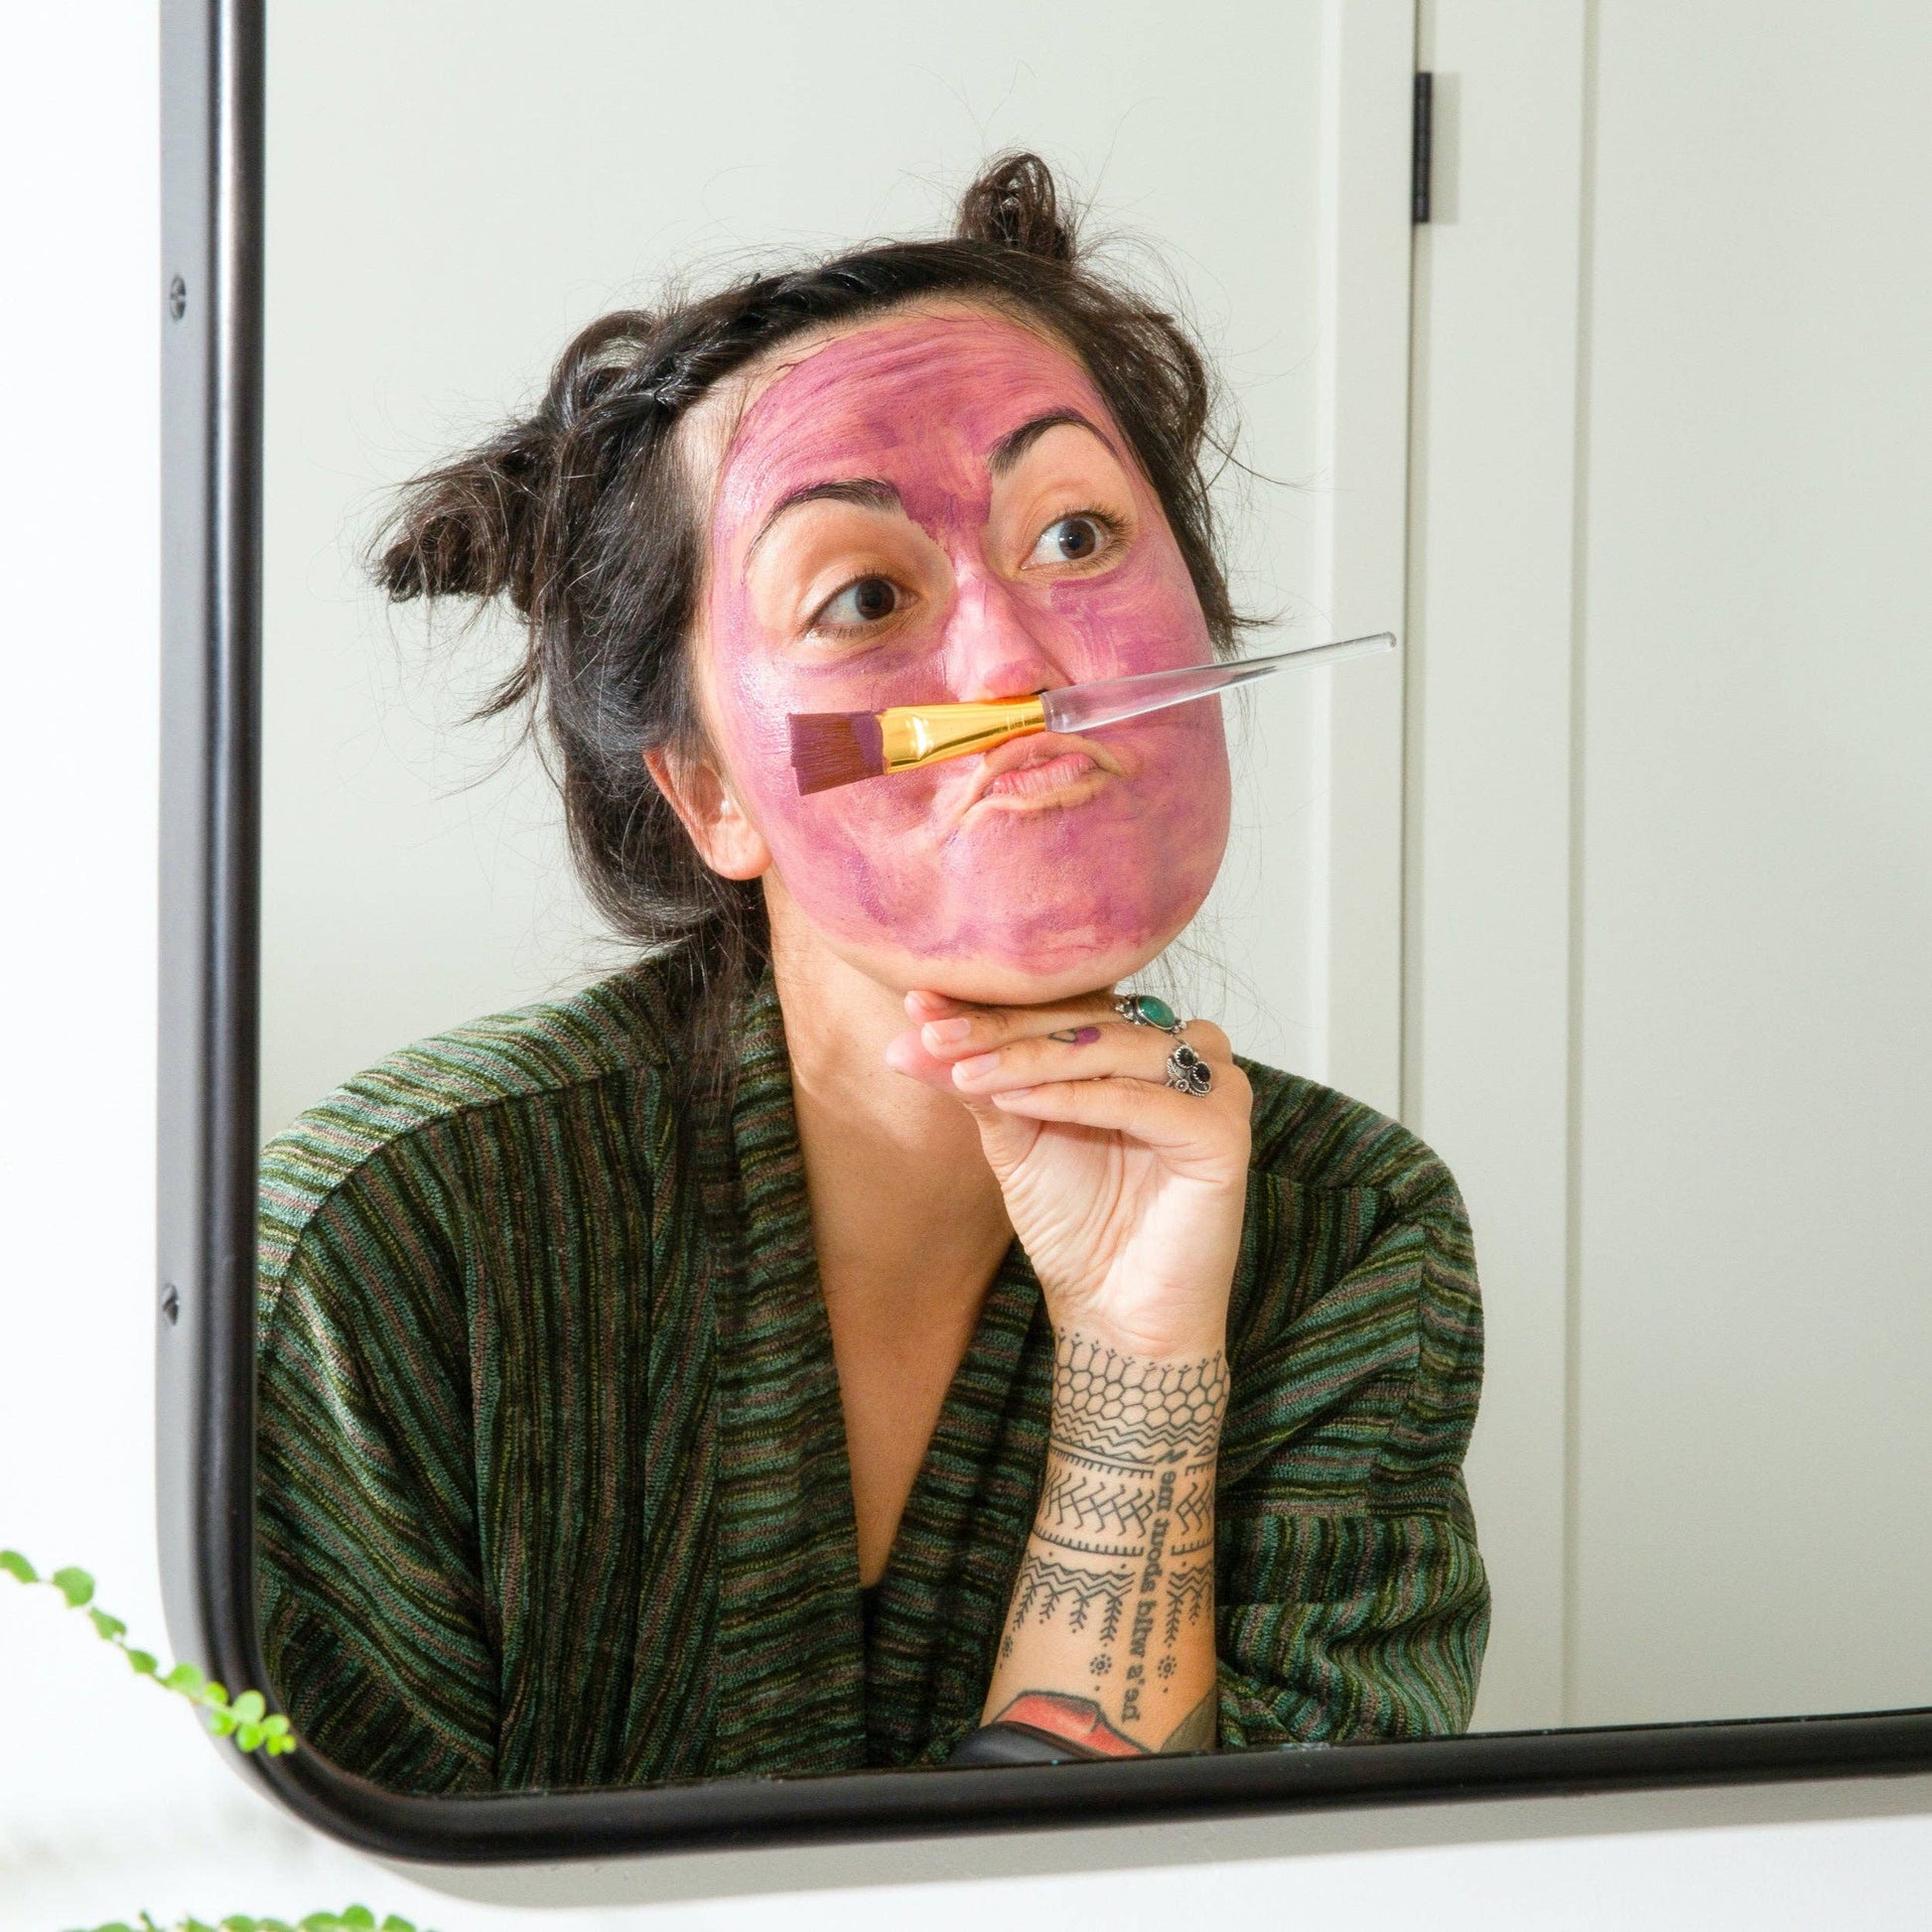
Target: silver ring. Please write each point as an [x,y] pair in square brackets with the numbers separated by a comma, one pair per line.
[1187,1072]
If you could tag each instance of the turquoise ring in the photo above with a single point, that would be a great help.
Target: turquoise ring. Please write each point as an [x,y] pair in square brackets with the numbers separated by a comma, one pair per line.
[1144,1010]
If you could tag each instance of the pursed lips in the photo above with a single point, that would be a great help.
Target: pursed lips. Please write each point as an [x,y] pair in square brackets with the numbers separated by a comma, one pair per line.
[1041,769]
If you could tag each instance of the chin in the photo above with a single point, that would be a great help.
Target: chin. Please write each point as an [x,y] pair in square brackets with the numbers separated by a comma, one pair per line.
[1001,977]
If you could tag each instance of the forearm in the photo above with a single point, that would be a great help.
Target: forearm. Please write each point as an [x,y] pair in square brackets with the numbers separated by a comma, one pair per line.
[1109,1636]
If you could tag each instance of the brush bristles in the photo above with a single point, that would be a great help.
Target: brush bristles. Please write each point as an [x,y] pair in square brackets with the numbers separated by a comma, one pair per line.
[836,748]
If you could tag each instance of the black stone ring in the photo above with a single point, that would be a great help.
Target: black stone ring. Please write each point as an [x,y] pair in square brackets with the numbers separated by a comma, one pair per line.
[1188,1073]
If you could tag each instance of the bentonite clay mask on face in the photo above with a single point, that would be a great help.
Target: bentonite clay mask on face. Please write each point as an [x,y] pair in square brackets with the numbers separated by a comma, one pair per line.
[937,507]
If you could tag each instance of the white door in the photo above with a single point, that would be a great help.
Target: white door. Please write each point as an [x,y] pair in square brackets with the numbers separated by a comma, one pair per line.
[1670,877]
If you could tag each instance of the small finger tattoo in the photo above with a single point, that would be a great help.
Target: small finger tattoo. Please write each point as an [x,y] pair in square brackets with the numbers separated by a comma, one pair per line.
[1077,1035]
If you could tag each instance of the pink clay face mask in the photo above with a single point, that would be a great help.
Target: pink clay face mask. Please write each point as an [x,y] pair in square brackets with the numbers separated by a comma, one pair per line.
[975,528]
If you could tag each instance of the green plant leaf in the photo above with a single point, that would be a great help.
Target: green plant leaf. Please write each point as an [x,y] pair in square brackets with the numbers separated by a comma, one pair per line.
[185,1679]
[214,1691]
[393,1923]
[276,1926]
[280,1746]
[144,1661]
[321,1922]
[248,1736]
[75,1584]
[251,1707]
[106,1627]
[238,1923]
[220,1723]
[17,1566]
[360,1917]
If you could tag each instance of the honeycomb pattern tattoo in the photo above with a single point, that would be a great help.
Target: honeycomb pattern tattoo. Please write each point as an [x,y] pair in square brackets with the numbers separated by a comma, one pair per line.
[1128,1406]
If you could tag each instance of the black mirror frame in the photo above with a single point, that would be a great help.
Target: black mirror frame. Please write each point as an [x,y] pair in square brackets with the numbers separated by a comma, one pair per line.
[213,111]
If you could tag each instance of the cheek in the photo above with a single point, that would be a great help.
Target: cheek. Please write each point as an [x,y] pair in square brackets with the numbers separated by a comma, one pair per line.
[841,835]
[868,859]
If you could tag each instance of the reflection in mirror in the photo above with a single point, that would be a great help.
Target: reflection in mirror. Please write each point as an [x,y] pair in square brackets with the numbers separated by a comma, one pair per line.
[818,1320]
[845,1330]
[857,1334]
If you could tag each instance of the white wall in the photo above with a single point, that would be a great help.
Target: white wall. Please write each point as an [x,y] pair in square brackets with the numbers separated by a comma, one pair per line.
[108,1799]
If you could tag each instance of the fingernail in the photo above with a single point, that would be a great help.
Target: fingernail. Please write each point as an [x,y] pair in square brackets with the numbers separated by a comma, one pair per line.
[942,1032]
[1012,1093]
[977,1064]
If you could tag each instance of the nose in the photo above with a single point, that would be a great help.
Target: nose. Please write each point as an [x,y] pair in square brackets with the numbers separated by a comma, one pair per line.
[991,647]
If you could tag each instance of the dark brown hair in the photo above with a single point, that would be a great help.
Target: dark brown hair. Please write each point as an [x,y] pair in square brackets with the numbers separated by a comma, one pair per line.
[582,515]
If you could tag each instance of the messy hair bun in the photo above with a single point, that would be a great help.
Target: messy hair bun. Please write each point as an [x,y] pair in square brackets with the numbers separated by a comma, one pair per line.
[581,518]
[1016,204]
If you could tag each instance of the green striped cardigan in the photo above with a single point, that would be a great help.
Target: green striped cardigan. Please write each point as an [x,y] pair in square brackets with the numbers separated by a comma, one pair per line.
[553,1487]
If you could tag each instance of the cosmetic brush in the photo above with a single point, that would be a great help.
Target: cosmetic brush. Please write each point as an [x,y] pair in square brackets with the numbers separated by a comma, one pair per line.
[839,747]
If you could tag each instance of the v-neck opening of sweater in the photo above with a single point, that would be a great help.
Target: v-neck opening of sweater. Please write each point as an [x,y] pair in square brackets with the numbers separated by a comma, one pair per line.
[888,1680]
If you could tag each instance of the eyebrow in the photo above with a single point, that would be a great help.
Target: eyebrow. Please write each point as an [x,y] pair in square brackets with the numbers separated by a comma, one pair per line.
[1016,443]
[867,492]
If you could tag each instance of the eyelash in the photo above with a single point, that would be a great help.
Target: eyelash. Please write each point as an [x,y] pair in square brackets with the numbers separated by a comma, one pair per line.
[1111,527]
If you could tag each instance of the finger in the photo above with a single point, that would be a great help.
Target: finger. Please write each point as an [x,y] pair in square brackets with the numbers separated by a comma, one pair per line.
[905,1054]
[1092,1052]
[971,1029]
[1157,1115]
[1208,1041]
[923,1004]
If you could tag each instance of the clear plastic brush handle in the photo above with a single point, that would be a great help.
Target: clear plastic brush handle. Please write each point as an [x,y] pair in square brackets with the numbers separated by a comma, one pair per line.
[1082,707]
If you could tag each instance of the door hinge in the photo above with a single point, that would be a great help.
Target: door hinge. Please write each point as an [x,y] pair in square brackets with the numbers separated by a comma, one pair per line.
[1420,127]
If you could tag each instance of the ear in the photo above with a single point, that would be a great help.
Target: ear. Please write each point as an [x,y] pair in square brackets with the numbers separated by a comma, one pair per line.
[726,838]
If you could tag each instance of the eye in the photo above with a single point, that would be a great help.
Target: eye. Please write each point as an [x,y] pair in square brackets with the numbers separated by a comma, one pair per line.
[1075,539]
[869,601]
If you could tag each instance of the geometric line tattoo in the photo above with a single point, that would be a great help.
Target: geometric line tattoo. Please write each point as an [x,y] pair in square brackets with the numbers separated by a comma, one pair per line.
[1190,1592]
[1043,1584]
[1193,1505]
[1092,1503]
[1129,1406]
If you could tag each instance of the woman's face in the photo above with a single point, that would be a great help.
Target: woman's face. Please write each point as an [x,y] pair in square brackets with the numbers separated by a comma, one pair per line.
[937,507]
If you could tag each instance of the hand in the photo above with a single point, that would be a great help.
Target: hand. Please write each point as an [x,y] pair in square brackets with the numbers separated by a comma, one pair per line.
[1127,1195]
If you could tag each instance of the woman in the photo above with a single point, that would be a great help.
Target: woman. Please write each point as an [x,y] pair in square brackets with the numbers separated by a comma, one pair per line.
[854,1336]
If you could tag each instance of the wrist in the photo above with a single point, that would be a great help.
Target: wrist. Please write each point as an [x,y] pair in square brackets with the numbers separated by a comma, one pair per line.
[1133,1407]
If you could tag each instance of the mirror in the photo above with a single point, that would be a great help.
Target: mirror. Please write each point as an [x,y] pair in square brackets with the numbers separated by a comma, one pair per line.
[589,1457]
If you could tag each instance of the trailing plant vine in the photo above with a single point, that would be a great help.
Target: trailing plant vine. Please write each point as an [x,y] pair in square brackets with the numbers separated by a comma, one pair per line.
[248,1719]
[352,1919]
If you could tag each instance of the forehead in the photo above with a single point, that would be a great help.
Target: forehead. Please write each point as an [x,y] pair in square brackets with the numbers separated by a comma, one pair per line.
[938,388]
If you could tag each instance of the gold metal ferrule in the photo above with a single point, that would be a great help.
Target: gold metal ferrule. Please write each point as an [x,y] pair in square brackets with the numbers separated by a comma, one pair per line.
[923,734]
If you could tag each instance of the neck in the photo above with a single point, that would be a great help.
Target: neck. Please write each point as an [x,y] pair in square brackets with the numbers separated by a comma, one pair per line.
[894,1167]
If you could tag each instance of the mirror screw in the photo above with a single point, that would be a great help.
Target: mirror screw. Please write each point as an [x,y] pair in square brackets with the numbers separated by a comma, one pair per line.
[177,298]
[170,1304]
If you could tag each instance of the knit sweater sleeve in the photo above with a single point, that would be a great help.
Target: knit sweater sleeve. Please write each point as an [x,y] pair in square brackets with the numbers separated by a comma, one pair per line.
[368,1574]
[1353,1601]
